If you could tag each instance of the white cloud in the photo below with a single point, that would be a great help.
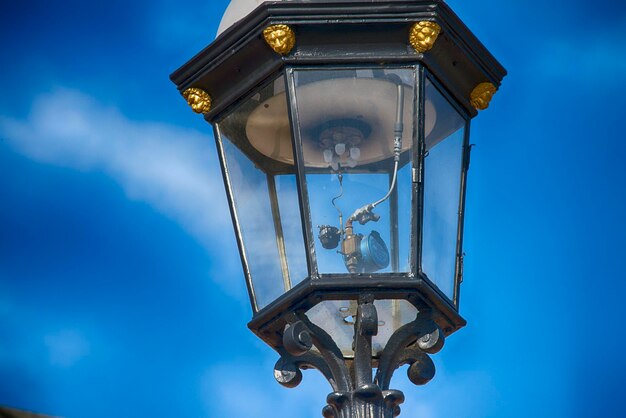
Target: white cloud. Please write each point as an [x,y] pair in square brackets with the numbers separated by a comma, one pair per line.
[169,167]
[172,169]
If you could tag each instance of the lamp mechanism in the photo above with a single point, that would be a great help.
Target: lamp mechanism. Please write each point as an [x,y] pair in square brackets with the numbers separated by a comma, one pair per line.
[361,253]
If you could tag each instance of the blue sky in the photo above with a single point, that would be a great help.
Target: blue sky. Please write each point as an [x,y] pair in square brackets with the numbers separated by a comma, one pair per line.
[119,296]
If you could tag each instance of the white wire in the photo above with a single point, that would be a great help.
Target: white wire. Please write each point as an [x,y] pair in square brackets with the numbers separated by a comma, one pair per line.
[397,149]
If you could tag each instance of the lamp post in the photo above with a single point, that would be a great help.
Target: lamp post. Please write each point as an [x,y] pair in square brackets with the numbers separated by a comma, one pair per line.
[342,129]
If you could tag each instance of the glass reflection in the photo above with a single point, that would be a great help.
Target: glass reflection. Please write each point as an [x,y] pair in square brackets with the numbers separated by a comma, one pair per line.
[442,187]
[356,128]
[337,318]
[265,195]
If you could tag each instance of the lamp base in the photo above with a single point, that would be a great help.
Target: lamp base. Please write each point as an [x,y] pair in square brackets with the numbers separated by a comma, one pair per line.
[367,401]
[356,393]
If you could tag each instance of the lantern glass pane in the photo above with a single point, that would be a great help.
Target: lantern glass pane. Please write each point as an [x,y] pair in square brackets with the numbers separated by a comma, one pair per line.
[291,221]
[392,314]
[442,187]
[359,198]
[337,319]
[264,195]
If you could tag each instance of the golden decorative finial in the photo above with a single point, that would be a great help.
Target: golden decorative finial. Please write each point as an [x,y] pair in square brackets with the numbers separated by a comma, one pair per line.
[281,38]
[198,99]
[481,95]
[423,35]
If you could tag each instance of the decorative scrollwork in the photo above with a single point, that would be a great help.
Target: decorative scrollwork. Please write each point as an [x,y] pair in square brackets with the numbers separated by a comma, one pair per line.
[355,392]
[367,401]
[281,38]
[297,339]
[421,369]
[482,95]
[431,343]
[398,350]
[328,358]
[287,369]
[423,35]
[287,373]
[198,99]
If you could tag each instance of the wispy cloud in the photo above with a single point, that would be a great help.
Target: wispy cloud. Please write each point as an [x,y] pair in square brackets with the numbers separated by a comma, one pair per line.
[171,168]
[175,170]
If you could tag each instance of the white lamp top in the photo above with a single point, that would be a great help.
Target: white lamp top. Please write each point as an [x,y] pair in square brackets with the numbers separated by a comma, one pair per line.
[237,10]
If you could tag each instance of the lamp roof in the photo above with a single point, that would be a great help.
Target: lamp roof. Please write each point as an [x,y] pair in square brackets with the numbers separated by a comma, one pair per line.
[339,32]
[238,9]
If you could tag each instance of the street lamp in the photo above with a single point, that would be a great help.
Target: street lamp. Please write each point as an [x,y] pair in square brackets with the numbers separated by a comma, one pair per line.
[343,134]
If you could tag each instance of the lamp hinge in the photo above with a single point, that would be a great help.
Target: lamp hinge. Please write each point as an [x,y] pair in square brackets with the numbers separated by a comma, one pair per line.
[417,174]
[468,154]
[461,260]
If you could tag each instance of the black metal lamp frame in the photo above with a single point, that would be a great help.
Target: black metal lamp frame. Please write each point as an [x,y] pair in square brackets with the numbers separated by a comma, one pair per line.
[355,392]
[349,34]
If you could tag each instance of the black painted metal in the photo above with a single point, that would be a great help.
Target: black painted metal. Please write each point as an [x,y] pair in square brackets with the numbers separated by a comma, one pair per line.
[303,194]
[458,273]
[417,196]
[270,321]
[394,246]
[355,393]
[347,32]
[342,33]
[460,255]
[234,218]
[401,347]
